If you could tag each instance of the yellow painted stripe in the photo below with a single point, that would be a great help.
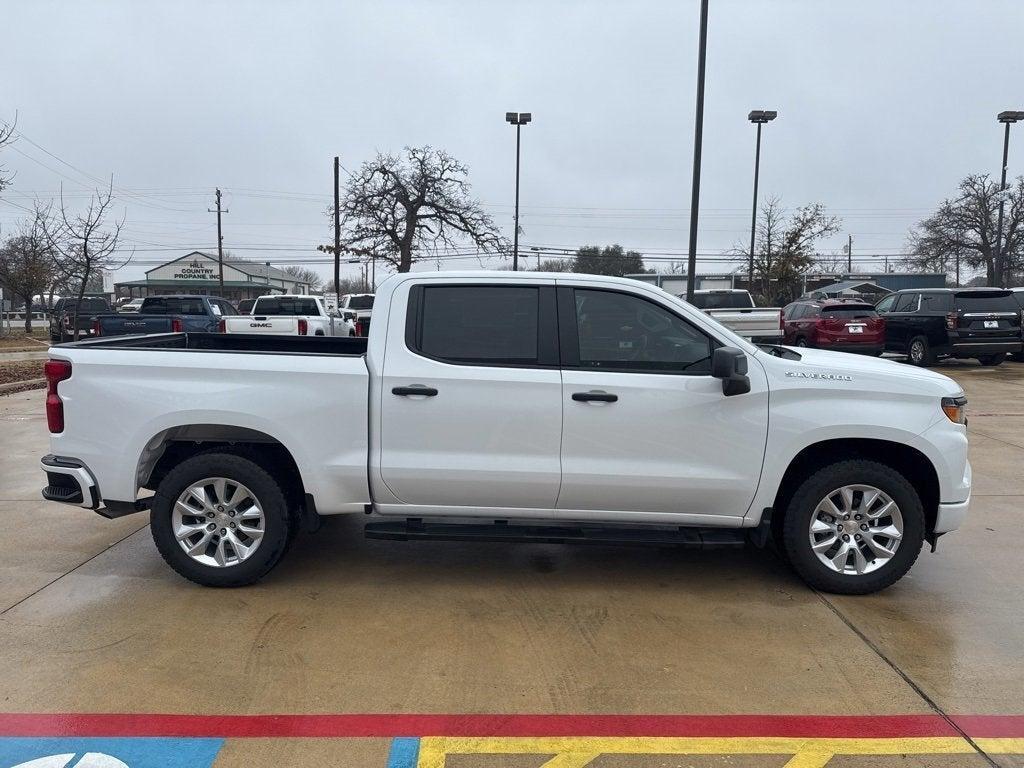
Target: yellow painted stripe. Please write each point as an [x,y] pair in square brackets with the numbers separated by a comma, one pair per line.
[576,752]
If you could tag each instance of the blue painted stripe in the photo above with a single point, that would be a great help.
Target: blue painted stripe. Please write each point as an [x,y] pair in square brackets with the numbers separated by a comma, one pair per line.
[405,752]
[138,752]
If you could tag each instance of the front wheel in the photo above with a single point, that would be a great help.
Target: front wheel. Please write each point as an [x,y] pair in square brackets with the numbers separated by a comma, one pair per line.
[220,520]
[853,527]
[992,360]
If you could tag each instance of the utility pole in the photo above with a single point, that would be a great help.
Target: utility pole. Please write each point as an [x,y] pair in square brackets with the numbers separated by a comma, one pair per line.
[698,136]
[220,243]
[849,254]
[337,235]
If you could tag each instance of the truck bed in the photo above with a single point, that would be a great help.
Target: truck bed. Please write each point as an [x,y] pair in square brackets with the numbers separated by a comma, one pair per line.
[242,342]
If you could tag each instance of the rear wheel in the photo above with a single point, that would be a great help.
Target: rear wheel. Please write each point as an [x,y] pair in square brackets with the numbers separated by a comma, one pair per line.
[991,360]
[220,520]
[853,527]
[919,352]
[801,342]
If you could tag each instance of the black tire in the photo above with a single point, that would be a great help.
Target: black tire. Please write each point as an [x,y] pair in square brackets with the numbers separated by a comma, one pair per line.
[797,523]
[919,352]
[801,342]
[992,360]
[278,525]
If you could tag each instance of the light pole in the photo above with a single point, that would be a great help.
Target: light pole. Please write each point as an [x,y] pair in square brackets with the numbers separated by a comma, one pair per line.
[759,117]
[1006,118]
[518,119]
[698,137]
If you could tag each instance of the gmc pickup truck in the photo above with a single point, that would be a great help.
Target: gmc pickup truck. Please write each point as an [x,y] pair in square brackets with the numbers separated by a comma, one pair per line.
[164,314]
[735,309]
[289,316]
[516,407]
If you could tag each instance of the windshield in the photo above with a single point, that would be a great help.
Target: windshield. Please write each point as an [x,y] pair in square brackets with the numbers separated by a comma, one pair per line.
[286,305]
[988,301]
[729,300]
[360,302]
[847,311]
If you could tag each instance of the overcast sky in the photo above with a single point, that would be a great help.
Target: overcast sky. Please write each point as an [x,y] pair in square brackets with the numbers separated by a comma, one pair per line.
[883,107]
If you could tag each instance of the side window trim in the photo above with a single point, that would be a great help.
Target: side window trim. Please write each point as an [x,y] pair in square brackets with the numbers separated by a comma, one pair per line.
[568,332]
[547,325]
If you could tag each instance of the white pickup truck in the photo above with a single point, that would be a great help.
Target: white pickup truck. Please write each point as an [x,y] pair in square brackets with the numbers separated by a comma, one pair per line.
[511,406]
[735,309]
[289,315]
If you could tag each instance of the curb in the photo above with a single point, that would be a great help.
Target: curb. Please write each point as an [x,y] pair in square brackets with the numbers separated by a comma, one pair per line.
[19,386]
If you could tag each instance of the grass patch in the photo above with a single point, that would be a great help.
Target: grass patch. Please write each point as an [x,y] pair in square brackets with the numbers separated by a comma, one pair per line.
[25,370]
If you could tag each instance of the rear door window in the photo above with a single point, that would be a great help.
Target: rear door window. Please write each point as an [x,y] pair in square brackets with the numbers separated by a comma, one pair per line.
[907,302]
[478,324]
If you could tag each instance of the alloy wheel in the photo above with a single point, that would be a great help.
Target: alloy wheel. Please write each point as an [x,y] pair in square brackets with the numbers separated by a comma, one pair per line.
[856,529]
[218,522]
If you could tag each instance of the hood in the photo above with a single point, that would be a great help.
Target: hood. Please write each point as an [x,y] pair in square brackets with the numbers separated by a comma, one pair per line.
[861,367]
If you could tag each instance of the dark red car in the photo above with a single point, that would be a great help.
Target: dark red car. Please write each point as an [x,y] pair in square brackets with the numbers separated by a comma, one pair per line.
[843,326]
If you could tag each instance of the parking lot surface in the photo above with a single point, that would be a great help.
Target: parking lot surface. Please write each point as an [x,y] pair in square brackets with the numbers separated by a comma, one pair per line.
[373,653]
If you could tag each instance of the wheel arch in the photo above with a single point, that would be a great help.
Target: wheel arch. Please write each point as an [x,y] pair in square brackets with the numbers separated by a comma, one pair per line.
[173,445]
[905,459]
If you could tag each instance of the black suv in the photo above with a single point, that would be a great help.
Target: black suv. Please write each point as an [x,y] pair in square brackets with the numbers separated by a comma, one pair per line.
[926,324]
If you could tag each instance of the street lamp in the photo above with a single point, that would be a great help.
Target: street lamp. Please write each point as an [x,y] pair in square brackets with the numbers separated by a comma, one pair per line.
[518,119]
[1006,118]
[759,117]
[698,140]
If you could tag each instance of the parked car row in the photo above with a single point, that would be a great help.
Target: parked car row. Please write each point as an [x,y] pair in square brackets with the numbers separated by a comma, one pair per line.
[924,324]
[293,315]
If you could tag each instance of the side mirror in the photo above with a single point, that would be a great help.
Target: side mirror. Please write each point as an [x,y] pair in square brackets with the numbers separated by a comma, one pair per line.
[730,365]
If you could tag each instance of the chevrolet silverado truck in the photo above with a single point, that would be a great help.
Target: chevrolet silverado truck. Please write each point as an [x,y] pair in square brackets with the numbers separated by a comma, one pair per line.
[165,314]
[289,316]
[735,309]
[513,407]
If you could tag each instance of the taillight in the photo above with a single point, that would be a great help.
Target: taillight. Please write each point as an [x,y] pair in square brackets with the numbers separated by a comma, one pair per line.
[176,325]
[303,327]
[96,327]
[360,330]
[951,320]
[55,371]
[67,321]
[222,327]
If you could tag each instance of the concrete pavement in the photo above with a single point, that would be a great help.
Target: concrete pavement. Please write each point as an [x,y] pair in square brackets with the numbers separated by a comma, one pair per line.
[92,621]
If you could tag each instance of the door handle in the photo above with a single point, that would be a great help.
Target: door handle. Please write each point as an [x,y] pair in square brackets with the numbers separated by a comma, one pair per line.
[594,397]
[418,389]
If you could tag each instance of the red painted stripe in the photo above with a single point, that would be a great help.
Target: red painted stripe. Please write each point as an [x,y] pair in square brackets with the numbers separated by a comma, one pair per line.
[328,726]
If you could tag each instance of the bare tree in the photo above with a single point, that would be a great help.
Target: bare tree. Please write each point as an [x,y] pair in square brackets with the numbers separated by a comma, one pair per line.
[555,265]
[6,137]
[962,232]
[27,265]
[784,248]
[403,209]
[84,243]
[305,275]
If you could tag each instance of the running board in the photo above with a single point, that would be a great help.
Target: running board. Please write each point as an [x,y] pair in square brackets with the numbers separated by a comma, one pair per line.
[690,538]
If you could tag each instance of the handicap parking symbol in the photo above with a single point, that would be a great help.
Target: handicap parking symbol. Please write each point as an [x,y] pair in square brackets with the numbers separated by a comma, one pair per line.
[108,753]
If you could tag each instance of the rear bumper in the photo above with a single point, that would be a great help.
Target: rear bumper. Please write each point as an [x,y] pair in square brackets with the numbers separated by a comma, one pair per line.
[69,481]
[988,347]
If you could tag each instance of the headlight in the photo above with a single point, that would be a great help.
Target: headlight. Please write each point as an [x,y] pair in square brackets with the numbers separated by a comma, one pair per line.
[955,409]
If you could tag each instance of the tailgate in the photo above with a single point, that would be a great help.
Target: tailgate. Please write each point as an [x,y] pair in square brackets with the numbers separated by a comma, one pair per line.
[748,322]
[124,325]
[277,325]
